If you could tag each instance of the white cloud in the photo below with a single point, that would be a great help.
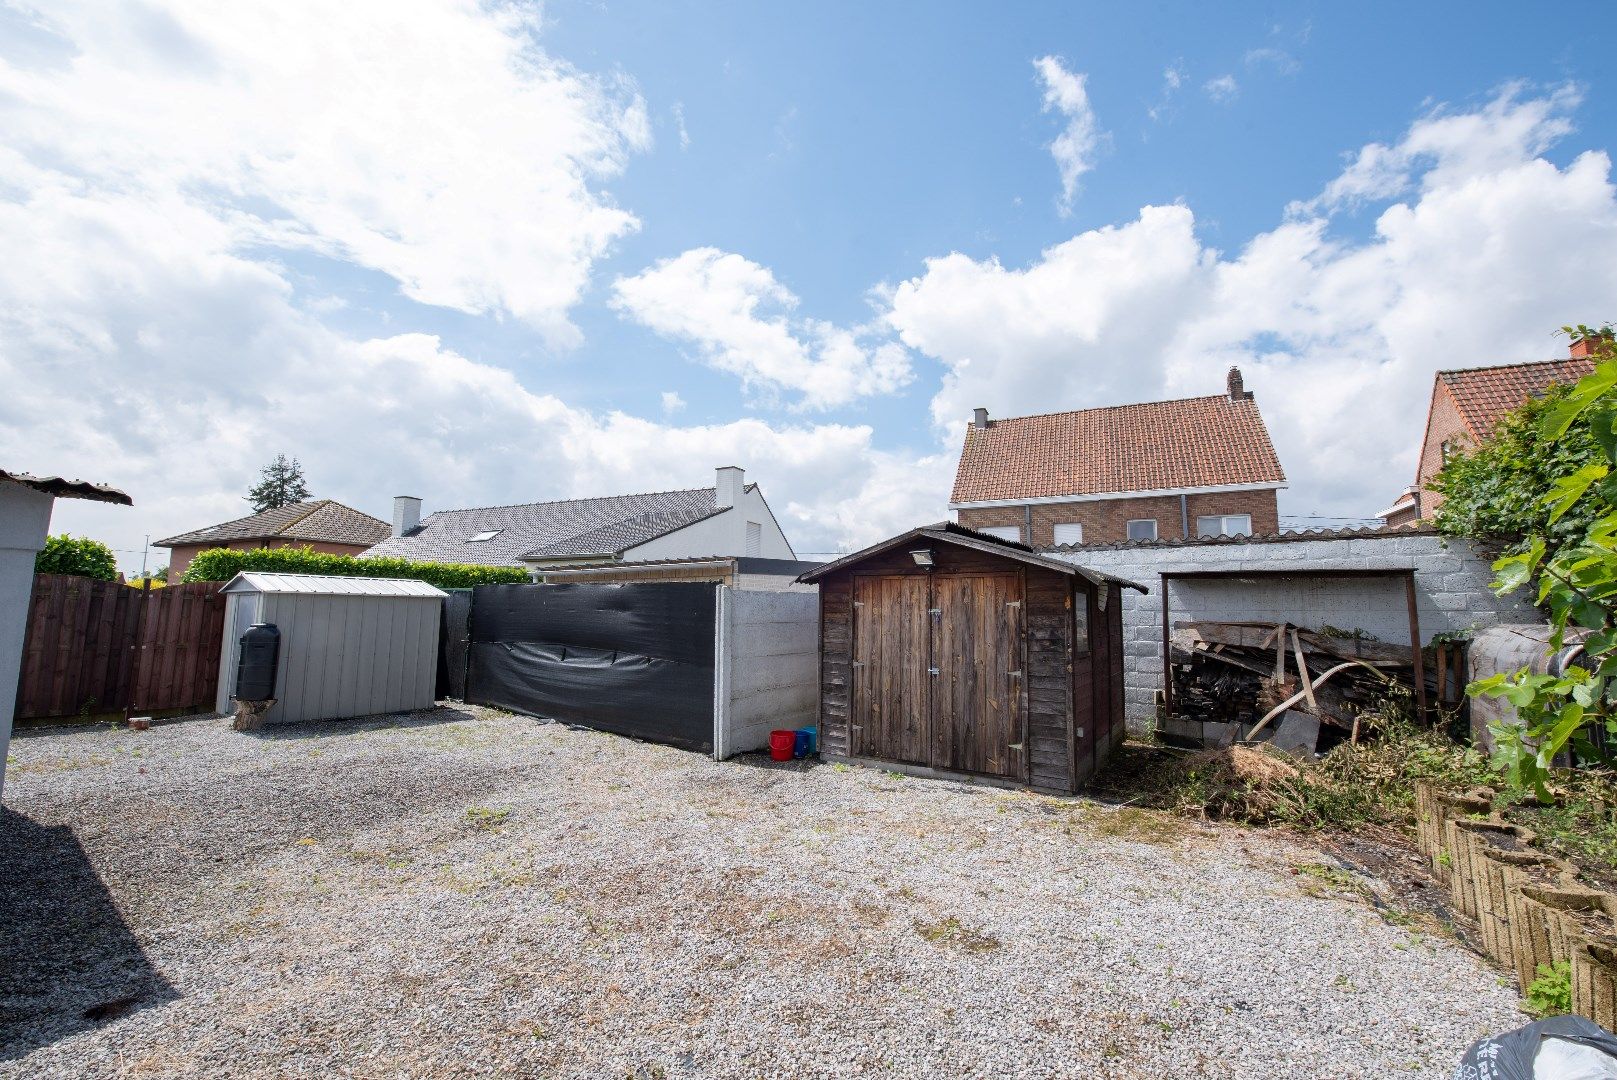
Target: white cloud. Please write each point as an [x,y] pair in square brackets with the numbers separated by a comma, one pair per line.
[1279,59]
[1075,148]
[740,318]
[1339,338]
[154,170]
[439,145]
[1450,147]
[1222,89]
[678,109]
[1173,77]
[672,402]
[177,376]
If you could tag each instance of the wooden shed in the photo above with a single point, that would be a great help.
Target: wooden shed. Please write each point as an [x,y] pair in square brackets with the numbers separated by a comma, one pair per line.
[949,651]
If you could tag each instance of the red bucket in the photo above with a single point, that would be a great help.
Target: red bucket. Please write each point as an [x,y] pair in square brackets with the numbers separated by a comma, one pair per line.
[781,743]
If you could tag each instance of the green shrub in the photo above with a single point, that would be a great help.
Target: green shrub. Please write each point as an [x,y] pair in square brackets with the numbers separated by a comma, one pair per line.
[77,555]
[1551,993]
[222,564]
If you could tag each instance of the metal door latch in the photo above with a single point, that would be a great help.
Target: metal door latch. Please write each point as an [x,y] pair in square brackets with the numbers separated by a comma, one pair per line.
[931,671]
[1013,603]
[1016,746]
[1017,674]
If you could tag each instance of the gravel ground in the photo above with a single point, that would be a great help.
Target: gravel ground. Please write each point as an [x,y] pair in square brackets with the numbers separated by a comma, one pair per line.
[466,892]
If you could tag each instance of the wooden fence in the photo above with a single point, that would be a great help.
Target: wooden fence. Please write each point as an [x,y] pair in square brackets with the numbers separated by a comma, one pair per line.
[98,647]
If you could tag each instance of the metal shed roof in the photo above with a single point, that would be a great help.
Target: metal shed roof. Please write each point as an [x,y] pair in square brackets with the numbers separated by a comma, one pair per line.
[252,581]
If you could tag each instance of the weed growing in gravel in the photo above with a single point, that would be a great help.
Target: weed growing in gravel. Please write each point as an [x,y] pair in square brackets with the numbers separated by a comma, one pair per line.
[483,817]
[1133,823]
[952,932]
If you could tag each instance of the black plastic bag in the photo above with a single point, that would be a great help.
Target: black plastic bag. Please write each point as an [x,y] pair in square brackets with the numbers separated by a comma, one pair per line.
[1560,1048]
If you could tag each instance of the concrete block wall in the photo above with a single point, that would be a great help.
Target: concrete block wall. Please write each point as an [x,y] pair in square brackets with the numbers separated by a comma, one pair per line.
[1451,593]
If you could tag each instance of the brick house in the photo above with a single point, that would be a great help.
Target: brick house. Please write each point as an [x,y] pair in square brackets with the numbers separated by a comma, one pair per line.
[1466,404]
[322,524]
[1193,467]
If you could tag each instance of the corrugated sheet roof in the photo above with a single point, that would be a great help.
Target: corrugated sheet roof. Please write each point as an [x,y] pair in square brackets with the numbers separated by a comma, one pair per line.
[1483,395]
[1155,445]
[63,488]
[255,581]
[316,519]
[570,527]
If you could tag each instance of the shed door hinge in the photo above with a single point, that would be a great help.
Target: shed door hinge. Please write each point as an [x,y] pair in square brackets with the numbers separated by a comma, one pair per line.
[1016,746]
[1013,603]
[1017,674]
[934,611]
[932,671]
[1078,733]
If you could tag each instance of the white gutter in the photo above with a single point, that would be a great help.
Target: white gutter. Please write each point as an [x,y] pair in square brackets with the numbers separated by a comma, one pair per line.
[1211,489]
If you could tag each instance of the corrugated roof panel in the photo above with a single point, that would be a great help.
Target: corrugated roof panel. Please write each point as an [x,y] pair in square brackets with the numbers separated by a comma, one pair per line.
[255,581]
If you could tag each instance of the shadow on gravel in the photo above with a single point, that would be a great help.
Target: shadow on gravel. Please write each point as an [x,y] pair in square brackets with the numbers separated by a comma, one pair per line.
[316,729]
[68,959]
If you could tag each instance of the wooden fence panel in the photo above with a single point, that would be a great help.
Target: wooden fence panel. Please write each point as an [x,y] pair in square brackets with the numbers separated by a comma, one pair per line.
[179,647]
[95,647]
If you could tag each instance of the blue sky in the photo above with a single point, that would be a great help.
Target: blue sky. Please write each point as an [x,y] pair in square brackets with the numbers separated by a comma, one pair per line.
[345,252]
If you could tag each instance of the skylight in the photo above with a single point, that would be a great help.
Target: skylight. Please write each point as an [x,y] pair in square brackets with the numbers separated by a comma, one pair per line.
[482,536]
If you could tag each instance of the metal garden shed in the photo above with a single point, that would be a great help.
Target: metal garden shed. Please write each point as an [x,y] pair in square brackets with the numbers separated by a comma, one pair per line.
[349,646]
[945,650]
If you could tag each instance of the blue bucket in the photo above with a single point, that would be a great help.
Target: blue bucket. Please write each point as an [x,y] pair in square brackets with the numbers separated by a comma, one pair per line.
[803,744]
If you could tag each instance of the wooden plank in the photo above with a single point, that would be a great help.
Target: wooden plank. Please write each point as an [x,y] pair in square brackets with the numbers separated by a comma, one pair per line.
[888,714]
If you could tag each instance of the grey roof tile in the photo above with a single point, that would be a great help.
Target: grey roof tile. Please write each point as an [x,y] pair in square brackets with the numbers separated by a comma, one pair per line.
[316,519]
[568,527]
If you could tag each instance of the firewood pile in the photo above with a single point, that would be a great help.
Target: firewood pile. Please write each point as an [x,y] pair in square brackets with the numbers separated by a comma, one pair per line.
[1300,689]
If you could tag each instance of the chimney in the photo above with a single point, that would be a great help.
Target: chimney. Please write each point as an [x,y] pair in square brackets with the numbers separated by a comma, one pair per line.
[406,514]
[979,419]
[729,482]
[1237,389]
[1590,348]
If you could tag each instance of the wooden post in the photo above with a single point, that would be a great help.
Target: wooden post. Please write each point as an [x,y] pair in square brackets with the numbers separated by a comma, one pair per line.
[1421,711]
[1167,654]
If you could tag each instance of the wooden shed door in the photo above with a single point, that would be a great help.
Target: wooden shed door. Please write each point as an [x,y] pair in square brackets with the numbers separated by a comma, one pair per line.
[889,714]
[976,706]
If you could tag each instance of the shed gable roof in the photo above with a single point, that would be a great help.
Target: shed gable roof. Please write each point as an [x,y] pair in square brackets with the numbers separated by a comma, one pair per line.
[566,528]
[1152,446]
[950,533]
[329,585]
[322,520]
[1483,395]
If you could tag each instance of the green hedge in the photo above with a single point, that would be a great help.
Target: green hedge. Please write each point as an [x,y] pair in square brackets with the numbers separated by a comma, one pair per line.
[222,564]
[77,555]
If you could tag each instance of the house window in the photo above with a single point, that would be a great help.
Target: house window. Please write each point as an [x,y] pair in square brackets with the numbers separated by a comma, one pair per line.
[1224,525]
[755,538]
[1142,529]
[483,536]
[1445,450]
[1069,532]
[1004,532]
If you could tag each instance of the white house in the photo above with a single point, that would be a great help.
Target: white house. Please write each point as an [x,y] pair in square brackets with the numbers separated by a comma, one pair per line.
[25,521]
[731,518]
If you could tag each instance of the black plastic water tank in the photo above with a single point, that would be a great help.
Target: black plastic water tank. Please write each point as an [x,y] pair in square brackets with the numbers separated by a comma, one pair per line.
[255,674]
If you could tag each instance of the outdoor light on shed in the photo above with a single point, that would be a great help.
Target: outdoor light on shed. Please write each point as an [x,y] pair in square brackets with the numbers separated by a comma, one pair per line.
[922,556]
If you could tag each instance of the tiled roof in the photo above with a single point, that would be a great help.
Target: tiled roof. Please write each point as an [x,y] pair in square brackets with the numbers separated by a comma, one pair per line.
[1192,442]
[63,488]
[322,520]
[571,527]
[1485,394]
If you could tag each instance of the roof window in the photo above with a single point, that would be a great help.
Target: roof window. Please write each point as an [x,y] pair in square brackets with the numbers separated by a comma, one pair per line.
[482,536]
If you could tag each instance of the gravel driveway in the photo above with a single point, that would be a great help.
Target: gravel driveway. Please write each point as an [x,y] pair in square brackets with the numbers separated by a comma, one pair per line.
[466,892]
